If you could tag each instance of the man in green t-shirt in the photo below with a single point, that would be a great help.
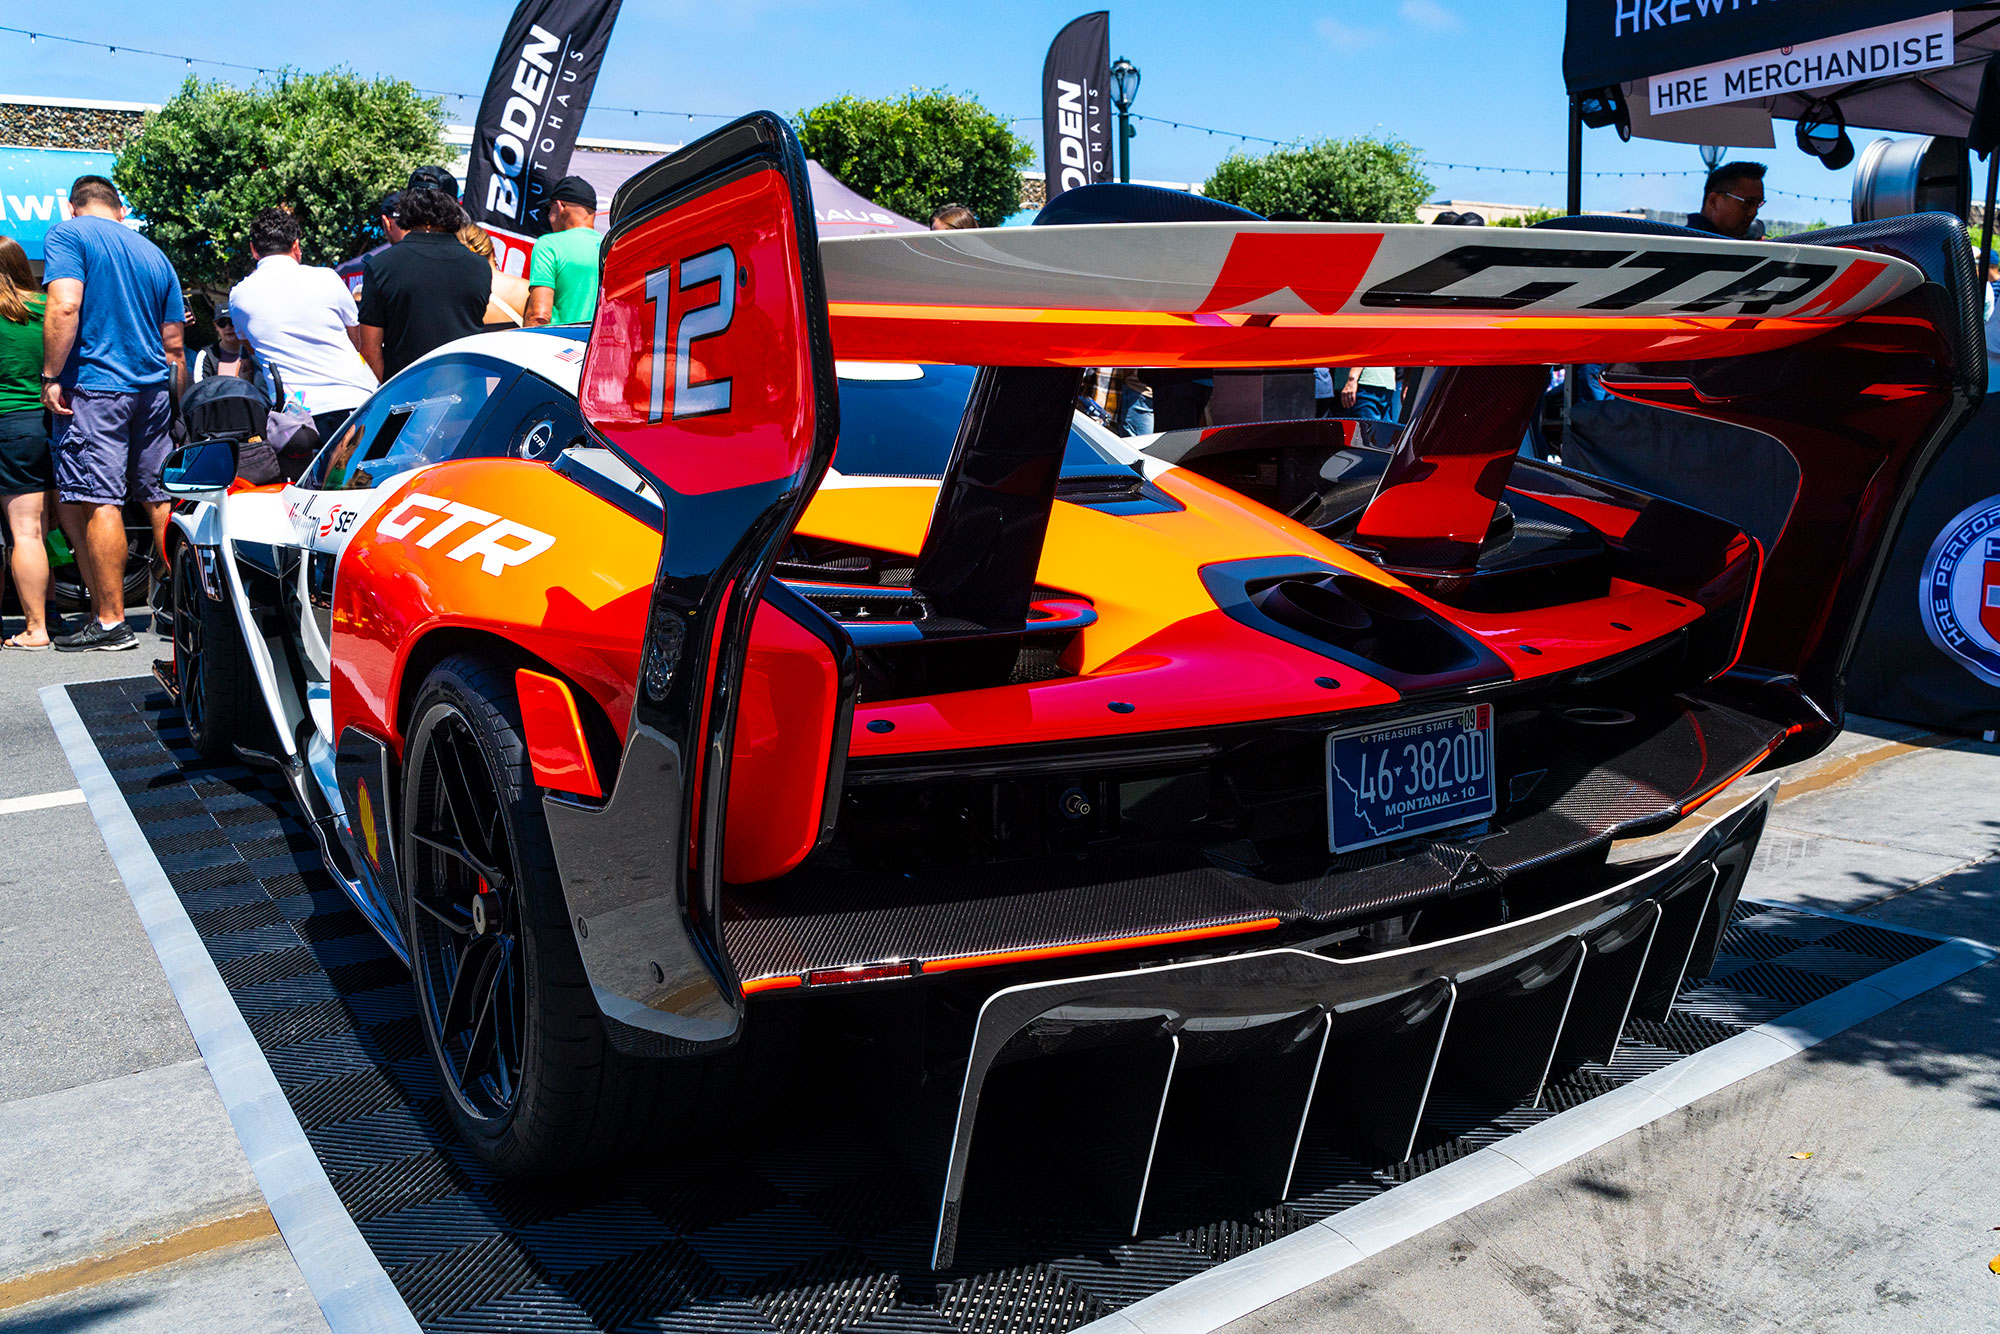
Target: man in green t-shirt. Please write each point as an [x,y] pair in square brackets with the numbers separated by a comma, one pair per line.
[562,272]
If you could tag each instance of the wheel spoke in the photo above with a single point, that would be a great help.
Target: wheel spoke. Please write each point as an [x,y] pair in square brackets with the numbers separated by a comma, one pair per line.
[509,1040]
[481,1050]
[464,807]
[456,851]
[449,923]
[474,967]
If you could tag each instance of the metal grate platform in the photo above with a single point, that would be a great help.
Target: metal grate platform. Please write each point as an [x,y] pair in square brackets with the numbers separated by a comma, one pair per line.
[828,1232]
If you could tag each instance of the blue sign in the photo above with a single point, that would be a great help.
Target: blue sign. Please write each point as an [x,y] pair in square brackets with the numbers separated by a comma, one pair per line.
[1959,597]
[34,189]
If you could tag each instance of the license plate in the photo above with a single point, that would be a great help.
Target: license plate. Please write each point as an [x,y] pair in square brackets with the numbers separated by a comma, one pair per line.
[1410,777]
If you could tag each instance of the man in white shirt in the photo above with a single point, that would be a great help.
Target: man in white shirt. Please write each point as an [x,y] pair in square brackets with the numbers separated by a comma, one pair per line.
[301,319]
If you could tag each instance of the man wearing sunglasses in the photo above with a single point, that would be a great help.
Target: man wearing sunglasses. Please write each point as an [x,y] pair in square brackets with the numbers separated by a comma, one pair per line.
[1730,201]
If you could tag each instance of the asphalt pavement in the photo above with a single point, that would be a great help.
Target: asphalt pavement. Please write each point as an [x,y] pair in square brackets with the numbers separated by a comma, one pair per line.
[126,1202]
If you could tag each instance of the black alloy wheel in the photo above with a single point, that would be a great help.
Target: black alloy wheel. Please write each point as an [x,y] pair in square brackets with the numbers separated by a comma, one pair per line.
[189,679]
[220,697]
[466,940]
[533,1084]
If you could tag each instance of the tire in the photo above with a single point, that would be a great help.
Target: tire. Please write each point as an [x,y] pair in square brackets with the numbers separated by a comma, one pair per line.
[66,589]
[535,1088]
[218,689]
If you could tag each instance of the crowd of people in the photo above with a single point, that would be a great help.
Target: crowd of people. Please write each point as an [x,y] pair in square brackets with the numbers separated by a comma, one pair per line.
[95,375]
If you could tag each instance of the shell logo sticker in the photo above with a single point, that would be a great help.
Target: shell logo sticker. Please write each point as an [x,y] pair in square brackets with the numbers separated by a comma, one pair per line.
[1958,597]
[497,542]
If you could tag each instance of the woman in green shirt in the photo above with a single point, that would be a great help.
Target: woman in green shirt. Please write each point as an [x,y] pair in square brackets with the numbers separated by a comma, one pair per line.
[27,477]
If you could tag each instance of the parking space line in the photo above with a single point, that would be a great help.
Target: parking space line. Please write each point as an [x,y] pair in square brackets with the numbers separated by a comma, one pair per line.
[42,801]
[1840,771]
[1214,1297]
[253,1225]
[353,1291]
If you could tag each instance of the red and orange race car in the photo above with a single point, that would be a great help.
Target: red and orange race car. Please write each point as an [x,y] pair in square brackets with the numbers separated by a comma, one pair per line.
[786,638]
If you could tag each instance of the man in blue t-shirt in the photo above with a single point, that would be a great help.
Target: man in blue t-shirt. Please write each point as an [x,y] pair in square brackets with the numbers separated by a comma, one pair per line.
[112,361]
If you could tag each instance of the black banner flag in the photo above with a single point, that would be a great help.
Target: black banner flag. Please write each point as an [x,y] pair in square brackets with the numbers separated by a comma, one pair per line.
[534,105]
[1076,105]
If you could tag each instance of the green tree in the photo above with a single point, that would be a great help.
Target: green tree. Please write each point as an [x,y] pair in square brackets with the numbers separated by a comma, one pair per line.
[327,146]
[917,152]
[1530,218]
[1332,180]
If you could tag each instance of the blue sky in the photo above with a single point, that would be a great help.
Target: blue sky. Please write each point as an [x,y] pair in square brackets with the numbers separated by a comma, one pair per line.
[1468,81]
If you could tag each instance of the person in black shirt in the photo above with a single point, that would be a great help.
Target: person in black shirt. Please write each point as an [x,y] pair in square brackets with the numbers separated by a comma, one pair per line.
[425,290]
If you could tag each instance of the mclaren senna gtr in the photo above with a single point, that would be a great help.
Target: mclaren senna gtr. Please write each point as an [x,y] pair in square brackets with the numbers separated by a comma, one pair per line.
[785,636]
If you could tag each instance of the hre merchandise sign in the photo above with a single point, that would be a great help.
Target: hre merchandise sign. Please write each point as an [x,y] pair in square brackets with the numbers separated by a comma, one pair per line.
[1885,52]
[533,107]
[1620,41]
[1076,105]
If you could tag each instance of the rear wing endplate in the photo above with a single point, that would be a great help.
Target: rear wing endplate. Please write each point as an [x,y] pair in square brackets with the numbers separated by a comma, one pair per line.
[710,372]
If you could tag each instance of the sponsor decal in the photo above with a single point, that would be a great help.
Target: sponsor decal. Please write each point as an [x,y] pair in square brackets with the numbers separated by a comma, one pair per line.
[698,319]
[1958,596]
[1692,281]
[1874,53]
[339,519]
[496,542]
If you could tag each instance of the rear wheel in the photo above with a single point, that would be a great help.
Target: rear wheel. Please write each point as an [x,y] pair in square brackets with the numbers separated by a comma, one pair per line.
[506,1008]
[212,670]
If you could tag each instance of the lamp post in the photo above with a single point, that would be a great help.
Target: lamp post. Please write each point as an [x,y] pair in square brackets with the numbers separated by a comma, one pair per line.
[1124,88]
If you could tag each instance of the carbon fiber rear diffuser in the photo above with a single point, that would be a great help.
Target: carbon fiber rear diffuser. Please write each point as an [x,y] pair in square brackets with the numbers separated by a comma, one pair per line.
[827,1228]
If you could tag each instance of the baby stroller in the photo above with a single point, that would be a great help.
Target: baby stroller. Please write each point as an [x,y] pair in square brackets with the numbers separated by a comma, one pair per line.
[273,443]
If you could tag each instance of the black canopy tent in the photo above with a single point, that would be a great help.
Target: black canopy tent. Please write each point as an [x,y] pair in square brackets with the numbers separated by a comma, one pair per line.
[1617,47]
[1903,668]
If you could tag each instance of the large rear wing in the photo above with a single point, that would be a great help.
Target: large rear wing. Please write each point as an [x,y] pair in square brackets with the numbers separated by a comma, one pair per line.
[1223,294]
[1859,349]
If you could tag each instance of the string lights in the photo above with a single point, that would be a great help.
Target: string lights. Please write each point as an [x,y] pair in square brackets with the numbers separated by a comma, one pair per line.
[190,62]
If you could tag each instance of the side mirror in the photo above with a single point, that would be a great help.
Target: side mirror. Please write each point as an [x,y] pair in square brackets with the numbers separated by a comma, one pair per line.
[200,470]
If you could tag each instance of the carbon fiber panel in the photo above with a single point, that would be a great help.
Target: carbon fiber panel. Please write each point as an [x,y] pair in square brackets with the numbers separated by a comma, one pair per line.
[852,917]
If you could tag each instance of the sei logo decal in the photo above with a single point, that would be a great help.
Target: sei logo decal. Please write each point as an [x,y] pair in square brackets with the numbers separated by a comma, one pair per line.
[692,397]
[497,542]
[338,520]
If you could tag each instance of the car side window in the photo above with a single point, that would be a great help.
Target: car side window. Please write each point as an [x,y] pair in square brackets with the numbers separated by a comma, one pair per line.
[426,415]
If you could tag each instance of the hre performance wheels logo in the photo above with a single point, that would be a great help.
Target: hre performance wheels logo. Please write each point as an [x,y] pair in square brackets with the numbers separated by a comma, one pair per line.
[1959,595]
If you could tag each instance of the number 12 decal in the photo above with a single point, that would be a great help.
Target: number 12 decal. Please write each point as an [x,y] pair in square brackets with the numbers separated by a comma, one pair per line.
[692,398]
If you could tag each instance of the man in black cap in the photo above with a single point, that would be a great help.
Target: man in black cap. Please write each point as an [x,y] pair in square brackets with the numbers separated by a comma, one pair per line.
[434,178]
[354,270]
[425,290]
[562,272]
